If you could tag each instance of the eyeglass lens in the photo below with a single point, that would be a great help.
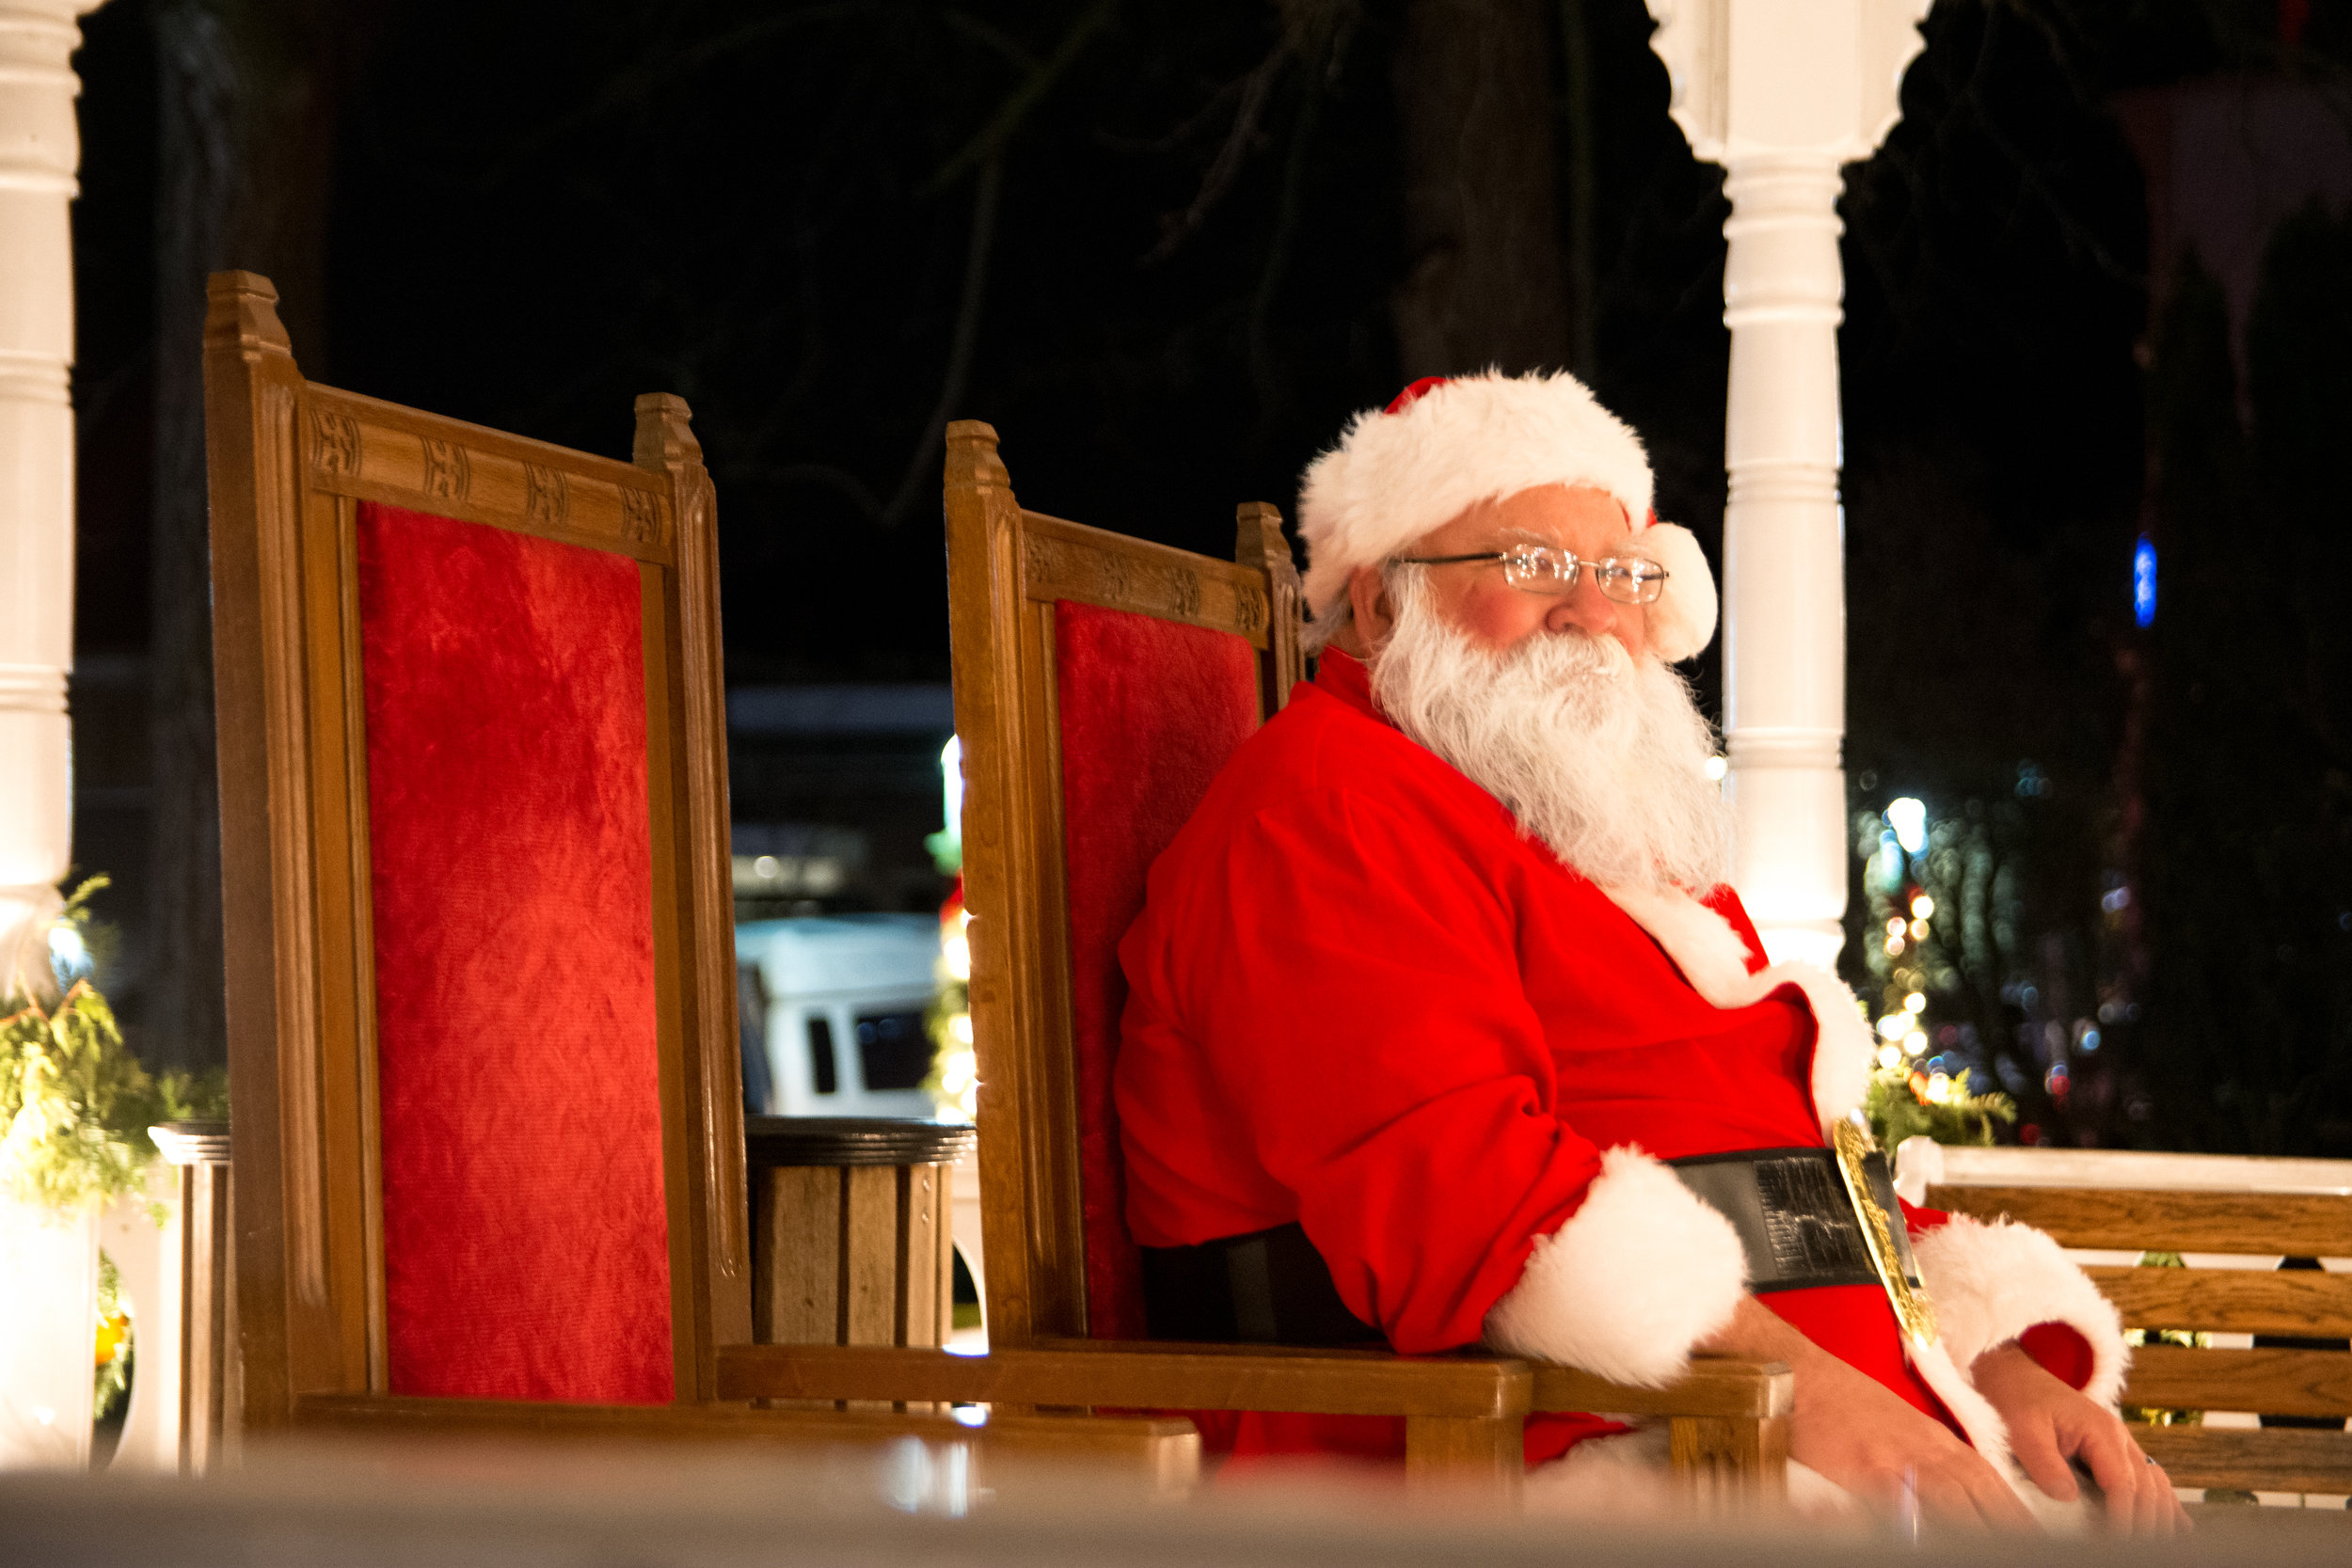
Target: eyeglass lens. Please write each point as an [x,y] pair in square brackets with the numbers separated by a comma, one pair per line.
[1544,571]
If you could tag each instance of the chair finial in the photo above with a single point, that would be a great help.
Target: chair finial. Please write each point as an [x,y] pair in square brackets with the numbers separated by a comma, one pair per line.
[971,459]
[1258,541]
[241,307]
[1260,545]
[665,433]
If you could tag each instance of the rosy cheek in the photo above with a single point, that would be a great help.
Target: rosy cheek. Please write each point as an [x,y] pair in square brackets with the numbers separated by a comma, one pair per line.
[1634,629]
[1499,621]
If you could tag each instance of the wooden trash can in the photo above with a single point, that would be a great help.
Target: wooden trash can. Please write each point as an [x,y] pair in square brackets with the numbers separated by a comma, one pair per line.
[211,1401]
[851,1237]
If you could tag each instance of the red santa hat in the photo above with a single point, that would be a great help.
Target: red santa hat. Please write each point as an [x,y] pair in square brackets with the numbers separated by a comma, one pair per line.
[1446,444]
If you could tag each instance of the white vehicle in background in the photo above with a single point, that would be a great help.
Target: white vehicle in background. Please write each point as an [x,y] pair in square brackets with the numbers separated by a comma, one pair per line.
[840,1002]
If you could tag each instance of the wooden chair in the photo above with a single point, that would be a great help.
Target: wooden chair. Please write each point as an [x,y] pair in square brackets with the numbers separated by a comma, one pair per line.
[2207,1219]
[488,1169]
[1067,637]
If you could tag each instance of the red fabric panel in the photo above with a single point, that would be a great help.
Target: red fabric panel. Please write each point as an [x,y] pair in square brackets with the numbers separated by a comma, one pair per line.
[1150,711]
[526,1245]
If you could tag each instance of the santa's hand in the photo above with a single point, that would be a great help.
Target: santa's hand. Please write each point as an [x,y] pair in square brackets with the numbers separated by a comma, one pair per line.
[2050,1423]
[1859,1434]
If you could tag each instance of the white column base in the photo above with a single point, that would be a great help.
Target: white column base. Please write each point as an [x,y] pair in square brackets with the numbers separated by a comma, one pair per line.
[49,1308]
[147,1258]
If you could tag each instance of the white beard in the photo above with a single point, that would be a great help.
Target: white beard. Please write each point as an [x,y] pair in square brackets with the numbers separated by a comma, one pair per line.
[1601,755]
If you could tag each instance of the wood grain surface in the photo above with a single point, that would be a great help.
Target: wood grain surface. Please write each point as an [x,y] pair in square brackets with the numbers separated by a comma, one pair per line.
[2286,1224]
[1712,1387]
[1165,1446]
[1479,1455]
[1133,1376]
[2273,1460]
[2239,1301]
[2268,1382]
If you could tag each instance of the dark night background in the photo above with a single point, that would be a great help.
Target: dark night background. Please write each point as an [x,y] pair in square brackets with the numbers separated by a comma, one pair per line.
[1166,248]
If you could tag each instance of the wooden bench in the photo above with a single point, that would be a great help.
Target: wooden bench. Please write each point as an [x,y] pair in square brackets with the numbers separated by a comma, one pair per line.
[2270,1380]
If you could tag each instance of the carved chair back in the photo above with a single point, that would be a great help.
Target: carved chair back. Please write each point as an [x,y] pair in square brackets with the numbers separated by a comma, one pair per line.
[481,973]
[1101,681]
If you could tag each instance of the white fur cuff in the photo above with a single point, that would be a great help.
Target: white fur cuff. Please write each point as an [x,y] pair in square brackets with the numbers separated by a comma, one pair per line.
[1992,1282]
[1637,1276]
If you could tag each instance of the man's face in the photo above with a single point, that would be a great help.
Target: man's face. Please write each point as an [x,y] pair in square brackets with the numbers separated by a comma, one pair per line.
[1475,597]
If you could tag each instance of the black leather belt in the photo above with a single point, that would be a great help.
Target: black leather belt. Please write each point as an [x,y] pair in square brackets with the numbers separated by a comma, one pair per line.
[1267,1288]
[1796,1220]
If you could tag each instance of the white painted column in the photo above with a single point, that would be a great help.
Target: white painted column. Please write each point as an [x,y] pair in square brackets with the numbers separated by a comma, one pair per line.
[40,150]
[1783,93]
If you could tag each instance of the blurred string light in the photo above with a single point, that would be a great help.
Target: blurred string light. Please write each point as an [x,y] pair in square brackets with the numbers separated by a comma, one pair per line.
[955,1083]
[2144,581]
[955,945]
[947,846]
[68,955]
[1901,1022]
[957,1075]
[1921,1068]
[951,784]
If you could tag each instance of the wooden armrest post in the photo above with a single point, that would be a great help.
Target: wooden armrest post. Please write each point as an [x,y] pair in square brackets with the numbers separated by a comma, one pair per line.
[1479,1456]
[1728,1422]
[1730,1461]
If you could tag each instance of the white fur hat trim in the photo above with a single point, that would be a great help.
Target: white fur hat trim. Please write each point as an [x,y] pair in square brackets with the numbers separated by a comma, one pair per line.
[1394,477]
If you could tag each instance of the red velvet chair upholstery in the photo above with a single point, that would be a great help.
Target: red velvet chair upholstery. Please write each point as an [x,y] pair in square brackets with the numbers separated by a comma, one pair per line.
[511,872]
[1150,710]
[489,1158]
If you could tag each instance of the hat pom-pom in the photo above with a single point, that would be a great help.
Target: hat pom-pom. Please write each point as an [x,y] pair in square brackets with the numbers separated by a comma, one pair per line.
[1682,621]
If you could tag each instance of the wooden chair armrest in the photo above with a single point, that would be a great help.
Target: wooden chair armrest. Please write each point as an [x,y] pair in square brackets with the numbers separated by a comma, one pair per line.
[1169,1447]
[1714,1386]
[1136,1376]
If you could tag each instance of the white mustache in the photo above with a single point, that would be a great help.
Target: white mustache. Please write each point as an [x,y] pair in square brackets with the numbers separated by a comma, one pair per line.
[1598,753]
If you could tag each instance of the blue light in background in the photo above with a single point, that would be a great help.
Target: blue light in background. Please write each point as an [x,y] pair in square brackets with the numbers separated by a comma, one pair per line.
[2144,582]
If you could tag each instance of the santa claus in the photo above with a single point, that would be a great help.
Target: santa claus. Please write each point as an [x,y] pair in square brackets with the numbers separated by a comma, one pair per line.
[1445,1030]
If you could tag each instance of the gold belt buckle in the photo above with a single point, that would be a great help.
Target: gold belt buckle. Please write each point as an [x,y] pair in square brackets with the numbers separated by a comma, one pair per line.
[1872,1190]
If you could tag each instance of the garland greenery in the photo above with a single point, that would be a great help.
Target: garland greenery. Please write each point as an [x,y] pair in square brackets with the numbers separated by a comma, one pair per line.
[1905,1102]
[74,1102]
[115,1347]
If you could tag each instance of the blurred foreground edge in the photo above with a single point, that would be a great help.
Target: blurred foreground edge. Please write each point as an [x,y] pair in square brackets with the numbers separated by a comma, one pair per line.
[368,1502]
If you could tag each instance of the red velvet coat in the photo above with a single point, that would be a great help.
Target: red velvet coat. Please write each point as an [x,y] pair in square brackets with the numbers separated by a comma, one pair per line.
[1361,999]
